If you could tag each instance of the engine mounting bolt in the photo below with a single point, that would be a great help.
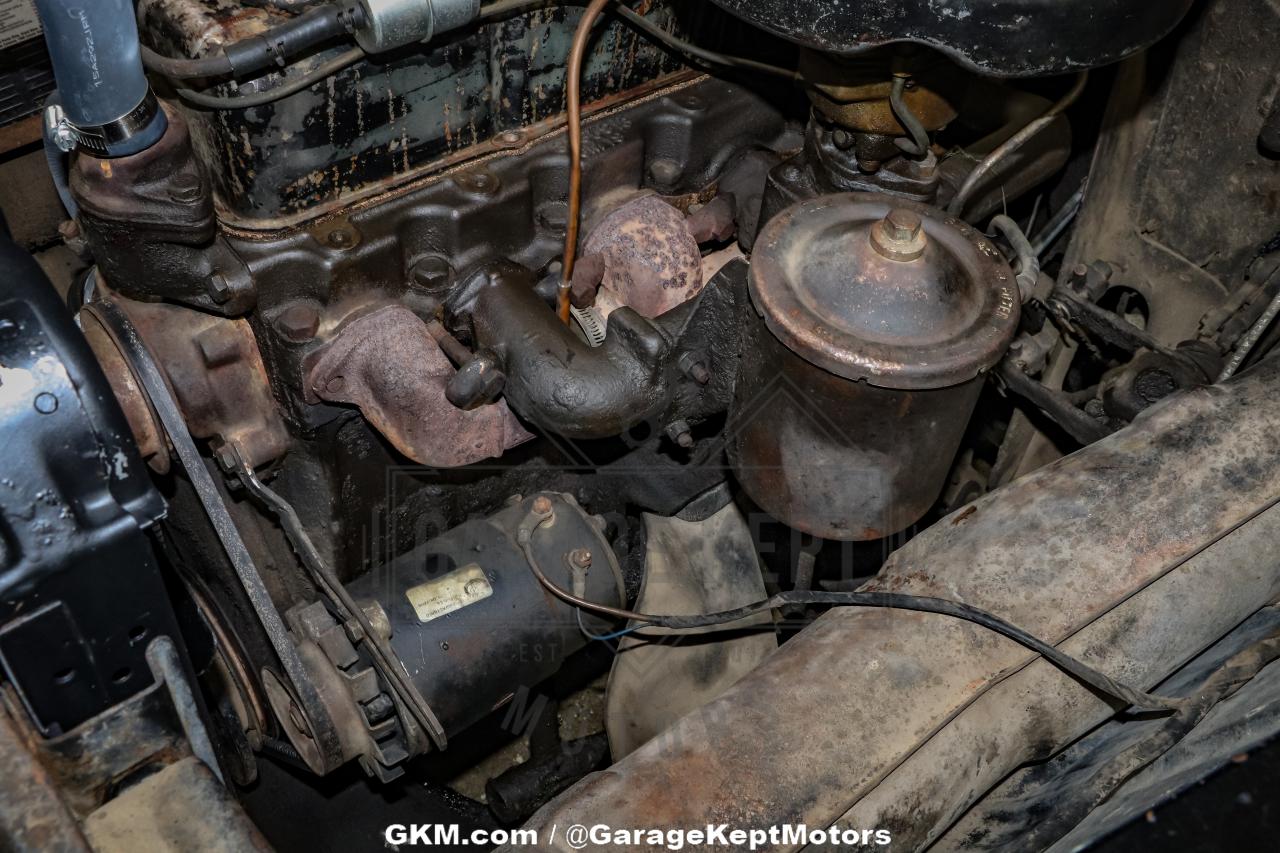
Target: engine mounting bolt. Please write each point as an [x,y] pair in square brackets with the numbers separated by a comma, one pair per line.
[694,367]
[299,322]
[900,235]
[580,558]
[542,505]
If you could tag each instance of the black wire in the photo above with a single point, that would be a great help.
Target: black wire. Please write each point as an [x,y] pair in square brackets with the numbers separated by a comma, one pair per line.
[1138,699]
[216,65]
[181,68]
[651,29]
[289,87]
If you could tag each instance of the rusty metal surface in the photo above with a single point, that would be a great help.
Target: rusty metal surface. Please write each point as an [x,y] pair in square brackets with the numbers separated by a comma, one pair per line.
[183,807]
[836,458]
[214,368]
[1135,554]
[388,364]
[690,566]
[32,815]
[854,92]
[142,422]
[878,317]
[87,763]
[830,296]
[651,261]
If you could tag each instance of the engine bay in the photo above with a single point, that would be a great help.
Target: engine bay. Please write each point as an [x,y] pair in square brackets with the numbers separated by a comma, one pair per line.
[642,415]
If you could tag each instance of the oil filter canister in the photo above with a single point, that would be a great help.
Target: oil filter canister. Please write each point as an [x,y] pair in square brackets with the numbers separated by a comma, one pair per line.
[875,320]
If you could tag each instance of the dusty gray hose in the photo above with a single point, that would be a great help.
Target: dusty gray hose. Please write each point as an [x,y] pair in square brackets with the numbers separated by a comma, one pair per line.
[1058,223]
[1028,261]
[1251,338]
[918,144]
[1012,144]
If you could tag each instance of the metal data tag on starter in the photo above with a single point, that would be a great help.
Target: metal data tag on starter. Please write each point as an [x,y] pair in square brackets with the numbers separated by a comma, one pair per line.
[454,591]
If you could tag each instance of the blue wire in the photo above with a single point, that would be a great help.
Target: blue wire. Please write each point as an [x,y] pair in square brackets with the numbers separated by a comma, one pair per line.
[602,637]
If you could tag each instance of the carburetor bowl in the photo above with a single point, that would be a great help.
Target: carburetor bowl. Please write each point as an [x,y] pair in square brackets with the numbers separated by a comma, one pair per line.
[876,320]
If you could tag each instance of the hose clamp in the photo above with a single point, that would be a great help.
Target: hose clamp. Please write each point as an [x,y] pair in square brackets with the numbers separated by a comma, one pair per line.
[107,139]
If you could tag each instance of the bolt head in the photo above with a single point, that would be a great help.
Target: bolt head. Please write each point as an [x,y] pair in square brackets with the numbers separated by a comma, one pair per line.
[298,720]
[225,456]
[580,558]
[482,182]
[432,274]
[902,224]
[542,505]
[340,238]
[900,235]
[299,322]
[219,288]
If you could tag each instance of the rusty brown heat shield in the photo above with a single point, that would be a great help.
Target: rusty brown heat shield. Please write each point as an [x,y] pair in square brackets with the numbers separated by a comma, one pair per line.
[388,364]
[1134,554]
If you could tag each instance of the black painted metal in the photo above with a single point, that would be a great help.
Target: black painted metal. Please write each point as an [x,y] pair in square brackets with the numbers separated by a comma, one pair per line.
[1000,37]
[75,499]
[477,658]
[557,381]
[392,116]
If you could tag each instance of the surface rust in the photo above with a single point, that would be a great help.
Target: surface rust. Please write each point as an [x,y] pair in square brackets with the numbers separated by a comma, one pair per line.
[388,364]
[1100,551]
[215,370]
[651,260]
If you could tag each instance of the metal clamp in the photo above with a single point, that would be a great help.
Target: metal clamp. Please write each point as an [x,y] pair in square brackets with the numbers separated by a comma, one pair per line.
[100,139]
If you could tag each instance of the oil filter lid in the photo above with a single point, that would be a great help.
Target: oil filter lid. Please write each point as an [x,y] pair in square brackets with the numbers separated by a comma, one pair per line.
[890,291]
